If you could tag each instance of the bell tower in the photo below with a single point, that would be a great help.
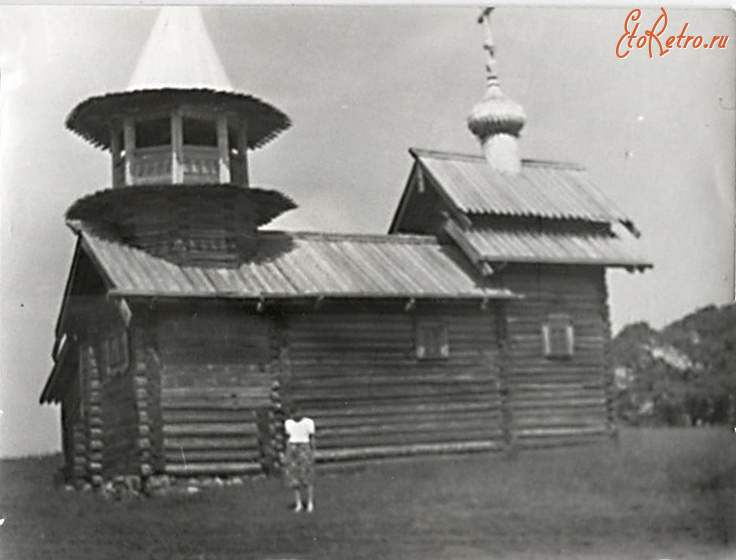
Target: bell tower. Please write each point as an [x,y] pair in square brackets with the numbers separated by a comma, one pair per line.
[178,138]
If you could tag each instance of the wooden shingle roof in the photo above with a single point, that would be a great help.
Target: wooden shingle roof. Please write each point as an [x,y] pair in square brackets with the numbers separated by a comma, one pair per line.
[548,213]
[302,265]
[484,244]
[542,189]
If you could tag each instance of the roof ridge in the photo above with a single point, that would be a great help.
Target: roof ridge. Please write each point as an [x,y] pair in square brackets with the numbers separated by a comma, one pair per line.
[533,162]
[366,237]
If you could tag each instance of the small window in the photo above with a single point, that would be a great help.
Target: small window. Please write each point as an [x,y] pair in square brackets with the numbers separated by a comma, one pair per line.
[153,132]
[558,336]
[432,341]
[115,348]
[199,132]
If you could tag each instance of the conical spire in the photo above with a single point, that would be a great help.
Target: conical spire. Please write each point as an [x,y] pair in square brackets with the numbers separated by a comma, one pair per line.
[179,54]
[496,119]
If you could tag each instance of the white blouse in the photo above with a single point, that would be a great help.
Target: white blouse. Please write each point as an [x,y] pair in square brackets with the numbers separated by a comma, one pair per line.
[300,431]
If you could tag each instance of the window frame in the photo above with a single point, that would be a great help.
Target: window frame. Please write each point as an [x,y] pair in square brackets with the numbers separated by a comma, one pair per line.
[551,340]
[116,351]
[431,340]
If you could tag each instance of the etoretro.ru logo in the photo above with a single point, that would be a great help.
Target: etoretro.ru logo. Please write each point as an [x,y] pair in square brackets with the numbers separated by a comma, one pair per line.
[655,42]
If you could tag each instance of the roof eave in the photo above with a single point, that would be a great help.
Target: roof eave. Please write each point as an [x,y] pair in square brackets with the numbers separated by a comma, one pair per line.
[496,294]
[608,263]
[118,104]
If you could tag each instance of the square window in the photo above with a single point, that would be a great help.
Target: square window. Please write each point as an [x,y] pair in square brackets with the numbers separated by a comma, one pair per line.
[432,341]
[558,336]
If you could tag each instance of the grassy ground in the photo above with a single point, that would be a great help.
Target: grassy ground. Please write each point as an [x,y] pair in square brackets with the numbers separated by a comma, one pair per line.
[662,494]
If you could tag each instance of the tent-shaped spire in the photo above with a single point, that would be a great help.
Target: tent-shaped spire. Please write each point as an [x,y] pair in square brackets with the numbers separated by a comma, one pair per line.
[179,54]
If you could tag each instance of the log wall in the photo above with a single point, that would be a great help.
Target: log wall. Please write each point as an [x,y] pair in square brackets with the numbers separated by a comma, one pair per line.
[74,432]
[557,401]
[147,352]
[141,376]
[357,375]
[120,425]
[215,376]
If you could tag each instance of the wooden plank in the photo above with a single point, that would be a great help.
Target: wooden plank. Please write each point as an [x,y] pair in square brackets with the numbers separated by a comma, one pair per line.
[547,420]
[386,392]
[407,418]
[210,429]
[377,429]
[301,383]
[584,403]
[204,443]
[408,437]
[224,468]
[322,402]
[174,457]
[235,415]
[183,405]
[206,394]
[560,432]
[555,442]
[379,451]
[421,407]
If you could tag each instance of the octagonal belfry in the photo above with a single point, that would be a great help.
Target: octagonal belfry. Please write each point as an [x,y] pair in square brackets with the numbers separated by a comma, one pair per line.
[179,123]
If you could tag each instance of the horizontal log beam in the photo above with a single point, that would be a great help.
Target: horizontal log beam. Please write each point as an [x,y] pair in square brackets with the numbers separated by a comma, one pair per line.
[210,429]
[559,432]
[379,451]
[213,456]
[198,443]
[224,468]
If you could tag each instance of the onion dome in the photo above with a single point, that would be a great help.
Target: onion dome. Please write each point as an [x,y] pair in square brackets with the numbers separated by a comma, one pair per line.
[496,120]
[496,113]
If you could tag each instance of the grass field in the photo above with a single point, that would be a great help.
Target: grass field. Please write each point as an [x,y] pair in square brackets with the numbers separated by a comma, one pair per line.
[667,493]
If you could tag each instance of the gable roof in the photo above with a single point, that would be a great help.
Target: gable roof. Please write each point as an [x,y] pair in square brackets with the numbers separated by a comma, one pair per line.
[299,265]
[542,189]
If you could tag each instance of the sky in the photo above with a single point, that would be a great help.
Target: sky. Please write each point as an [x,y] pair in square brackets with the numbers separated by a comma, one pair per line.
[362,85]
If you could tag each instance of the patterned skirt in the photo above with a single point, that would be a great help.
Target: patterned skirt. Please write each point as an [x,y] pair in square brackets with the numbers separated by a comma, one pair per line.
[299,464]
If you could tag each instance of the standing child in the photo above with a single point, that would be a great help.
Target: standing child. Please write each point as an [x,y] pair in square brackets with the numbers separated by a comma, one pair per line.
[300,457]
